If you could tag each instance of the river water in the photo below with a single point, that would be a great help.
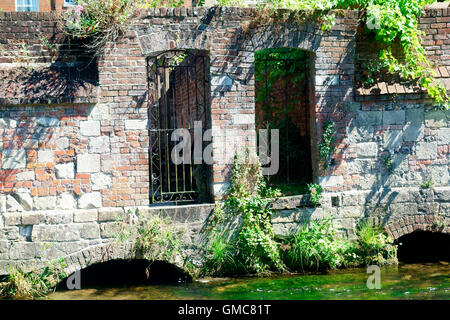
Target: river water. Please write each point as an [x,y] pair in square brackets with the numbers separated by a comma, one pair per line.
[405,281]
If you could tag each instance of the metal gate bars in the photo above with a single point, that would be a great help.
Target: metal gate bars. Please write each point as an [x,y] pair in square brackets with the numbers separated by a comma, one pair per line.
[178,95]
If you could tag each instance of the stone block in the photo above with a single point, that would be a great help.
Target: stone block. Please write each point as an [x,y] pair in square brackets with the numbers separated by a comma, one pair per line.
[359,134]
[110,214]
[12,218]
[100,181]
[90,200]
[62,232]
[32,218]
[426,150]
[221,81]
[392,139]
[415,117]
[58,217]
[367,149]
[444,136]
[14,159]
[99,144]
[394,117]
[88,163]
[66,201]
[23,197]
[65,171]
[47,121]
[45,203]
[90,128]
[12,205]
[439,174]
[85,215]
[109,229]
[358,166]
[46,156]
[25,250]
[25,176]
[136,124]
[100,112]
[368,118]
[243,118]
[331,181]
[435,119]
[89,230]
[413,133]
[62,143]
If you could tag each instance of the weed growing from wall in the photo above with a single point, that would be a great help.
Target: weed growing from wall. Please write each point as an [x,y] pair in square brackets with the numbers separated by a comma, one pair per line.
[389,20]
[35,282]
[326,145]
[315,191]
[242,239]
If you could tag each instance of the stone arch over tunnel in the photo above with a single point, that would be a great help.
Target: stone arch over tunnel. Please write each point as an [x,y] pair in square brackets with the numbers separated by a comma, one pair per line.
[113,258]
[401,226]
[421,238]
[128,272]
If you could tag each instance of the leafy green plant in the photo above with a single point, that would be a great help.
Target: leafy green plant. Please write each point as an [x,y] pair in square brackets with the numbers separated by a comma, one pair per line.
[315,191]
[439,223]
[157,239]
[388,163]
[326,145]
[250,249]
[36,283]
[373,245]
[315,247]
[103,21]
[427,184]
[390,20]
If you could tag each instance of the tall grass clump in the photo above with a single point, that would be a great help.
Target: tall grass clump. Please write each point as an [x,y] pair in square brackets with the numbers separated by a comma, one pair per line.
[317,247]
[242,238]
[36,283]
[373,245]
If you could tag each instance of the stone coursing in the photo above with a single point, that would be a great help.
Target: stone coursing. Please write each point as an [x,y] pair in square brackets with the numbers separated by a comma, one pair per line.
[93,233]
[63,166]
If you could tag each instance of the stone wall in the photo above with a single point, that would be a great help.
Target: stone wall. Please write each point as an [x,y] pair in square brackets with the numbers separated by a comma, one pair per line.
[70,150]
[86,237]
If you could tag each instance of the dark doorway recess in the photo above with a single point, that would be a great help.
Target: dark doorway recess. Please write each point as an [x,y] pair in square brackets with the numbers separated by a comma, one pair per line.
[130,272]
[178,99]
[283,102]
[424,246]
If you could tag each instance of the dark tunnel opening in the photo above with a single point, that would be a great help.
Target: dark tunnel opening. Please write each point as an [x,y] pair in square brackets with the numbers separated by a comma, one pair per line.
[119,273]
[424,246]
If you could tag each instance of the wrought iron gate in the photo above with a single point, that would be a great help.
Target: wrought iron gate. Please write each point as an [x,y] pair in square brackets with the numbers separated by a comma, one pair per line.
[178,96]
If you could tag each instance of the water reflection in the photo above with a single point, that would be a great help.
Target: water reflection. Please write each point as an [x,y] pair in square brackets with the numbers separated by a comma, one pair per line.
[407,281]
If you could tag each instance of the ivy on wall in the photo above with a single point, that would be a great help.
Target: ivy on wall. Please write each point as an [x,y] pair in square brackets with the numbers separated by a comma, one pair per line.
[391,21]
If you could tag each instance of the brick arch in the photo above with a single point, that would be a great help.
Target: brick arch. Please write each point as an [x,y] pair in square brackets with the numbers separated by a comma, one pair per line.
[107,252]
[305,38]
[402,226]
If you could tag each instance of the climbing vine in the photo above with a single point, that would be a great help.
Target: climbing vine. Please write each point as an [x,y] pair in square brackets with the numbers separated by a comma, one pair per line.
[390,20]
[326,145]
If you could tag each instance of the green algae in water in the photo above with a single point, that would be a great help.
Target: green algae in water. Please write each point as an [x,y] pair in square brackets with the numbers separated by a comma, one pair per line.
[414,281]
